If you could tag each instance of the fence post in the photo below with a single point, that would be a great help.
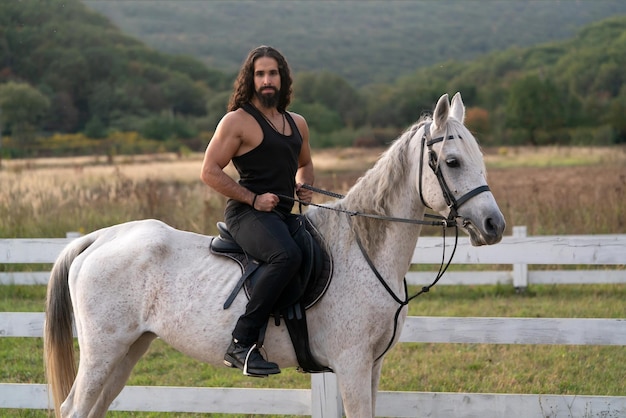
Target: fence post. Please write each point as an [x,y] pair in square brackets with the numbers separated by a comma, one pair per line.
[325,398]
[520,271]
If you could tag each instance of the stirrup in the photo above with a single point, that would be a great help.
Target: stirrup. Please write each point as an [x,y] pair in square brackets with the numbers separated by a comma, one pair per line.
[245,364]
[243,359]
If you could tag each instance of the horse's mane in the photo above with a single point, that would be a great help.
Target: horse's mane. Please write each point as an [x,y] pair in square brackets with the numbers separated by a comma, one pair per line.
[382,185]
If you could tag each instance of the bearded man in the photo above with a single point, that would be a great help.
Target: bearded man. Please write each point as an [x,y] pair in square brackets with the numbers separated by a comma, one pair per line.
[269,147]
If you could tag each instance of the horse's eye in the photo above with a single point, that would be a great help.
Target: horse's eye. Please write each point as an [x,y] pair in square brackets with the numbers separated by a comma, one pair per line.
[452,162]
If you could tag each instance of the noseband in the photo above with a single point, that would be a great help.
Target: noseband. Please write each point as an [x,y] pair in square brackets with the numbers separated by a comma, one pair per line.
[453,203]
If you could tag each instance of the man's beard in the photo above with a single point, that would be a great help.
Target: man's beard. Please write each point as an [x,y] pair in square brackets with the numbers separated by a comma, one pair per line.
[267,100]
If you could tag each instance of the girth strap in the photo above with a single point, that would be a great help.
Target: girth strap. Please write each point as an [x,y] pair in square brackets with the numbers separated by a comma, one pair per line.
[295,319]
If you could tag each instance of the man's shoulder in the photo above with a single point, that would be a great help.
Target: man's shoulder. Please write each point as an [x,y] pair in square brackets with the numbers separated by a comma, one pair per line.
[295,115]
[237,116]
[241,125]
[299,120]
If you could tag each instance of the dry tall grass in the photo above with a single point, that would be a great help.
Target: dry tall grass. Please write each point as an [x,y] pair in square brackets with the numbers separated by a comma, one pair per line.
[551,190]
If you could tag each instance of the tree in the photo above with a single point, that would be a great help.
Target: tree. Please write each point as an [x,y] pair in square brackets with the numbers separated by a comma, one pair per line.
[615,116]
[332,92]
[63,115]
[534,104]
[216,107]
[95,128]
[319,117]
[23,108]
[184,96]
[477,120]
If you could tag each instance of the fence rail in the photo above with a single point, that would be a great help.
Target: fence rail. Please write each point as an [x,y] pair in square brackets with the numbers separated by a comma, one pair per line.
[518,251]
[322,400]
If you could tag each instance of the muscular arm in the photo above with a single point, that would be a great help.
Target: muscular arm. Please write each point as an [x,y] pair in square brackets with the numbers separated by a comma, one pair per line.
[305,173]
[229,141]
[225,144]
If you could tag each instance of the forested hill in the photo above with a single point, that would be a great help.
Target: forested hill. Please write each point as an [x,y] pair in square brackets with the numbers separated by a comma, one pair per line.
[65,68]
[363,41]
[70,66]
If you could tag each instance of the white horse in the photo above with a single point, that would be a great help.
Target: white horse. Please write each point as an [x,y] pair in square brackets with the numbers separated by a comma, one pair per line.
[128,284]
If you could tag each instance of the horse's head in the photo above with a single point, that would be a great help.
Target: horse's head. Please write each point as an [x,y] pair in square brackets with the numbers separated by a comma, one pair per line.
[455,185]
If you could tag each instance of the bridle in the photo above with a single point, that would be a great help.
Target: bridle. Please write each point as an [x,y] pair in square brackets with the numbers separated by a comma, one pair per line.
[433,162]
[453,204]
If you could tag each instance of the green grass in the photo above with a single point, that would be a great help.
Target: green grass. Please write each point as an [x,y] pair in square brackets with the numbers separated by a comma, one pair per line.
[546,208]
[15,298]
[478,368]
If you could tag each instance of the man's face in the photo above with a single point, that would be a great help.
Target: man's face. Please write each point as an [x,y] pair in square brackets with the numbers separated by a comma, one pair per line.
[266,81]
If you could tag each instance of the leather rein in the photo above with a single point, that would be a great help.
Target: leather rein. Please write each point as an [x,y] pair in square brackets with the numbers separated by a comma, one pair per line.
[453,204]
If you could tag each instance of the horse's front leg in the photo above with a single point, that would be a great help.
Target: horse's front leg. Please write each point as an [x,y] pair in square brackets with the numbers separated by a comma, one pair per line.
[376,370]
[354,376]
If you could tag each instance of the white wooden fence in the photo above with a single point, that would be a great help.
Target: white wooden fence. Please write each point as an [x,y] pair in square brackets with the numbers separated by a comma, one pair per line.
[322,400]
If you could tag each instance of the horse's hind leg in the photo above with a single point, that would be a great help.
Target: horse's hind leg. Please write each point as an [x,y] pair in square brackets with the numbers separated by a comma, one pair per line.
[100,379]
[117,379]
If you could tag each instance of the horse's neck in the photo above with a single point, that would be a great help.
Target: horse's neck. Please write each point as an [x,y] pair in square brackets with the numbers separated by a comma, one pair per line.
[391,247]
[391,244]
[396,250]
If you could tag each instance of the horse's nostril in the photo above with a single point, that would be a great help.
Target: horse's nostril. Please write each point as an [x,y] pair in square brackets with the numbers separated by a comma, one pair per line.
[494,226]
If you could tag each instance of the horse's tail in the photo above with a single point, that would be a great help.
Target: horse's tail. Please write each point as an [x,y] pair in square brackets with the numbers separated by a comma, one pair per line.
[58,331]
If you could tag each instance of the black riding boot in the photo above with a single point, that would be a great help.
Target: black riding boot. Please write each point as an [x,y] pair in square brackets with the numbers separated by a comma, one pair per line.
[249,359]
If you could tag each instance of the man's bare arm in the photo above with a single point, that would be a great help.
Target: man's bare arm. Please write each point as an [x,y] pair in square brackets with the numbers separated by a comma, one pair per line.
[305,173]
[221,149]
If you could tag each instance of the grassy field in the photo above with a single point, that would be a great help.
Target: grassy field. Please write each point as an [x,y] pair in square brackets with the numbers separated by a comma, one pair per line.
[480,368]
[552,191]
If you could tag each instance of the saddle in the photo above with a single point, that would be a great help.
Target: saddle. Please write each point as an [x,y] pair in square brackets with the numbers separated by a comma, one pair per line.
[303,291]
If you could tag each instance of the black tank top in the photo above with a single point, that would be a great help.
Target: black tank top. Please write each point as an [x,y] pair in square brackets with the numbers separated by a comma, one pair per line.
[272,165]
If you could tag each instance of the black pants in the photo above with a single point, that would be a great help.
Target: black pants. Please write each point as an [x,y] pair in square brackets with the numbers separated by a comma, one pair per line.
[264,236]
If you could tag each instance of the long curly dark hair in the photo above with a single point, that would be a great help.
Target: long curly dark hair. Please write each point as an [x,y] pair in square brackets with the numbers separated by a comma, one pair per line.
[244,84]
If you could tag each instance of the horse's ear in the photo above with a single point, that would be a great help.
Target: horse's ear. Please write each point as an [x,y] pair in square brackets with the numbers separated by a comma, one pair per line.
[441,111]
[457,108]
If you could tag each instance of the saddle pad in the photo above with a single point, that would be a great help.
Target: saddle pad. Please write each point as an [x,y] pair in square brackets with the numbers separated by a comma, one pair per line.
[321,269]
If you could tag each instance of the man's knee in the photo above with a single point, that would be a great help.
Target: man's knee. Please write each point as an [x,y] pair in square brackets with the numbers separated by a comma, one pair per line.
[295,255]
[288,256]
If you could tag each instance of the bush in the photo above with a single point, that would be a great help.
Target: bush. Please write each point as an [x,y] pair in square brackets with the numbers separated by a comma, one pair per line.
[164,128]
[595,136]
[95,128]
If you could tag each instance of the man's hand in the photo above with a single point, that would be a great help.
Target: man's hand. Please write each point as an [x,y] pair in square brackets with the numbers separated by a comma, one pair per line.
[266,202]
[304,195]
